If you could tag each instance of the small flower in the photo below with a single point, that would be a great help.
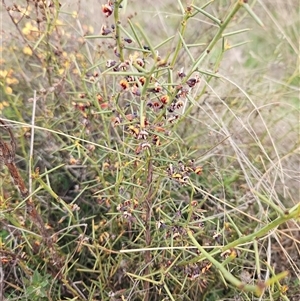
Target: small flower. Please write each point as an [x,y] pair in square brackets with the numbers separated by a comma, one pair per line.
[123,66]
[179,104]
[135,91]
[105,30]
[173,118]
[145,145]
[91,147]
[134,131]
[27,50]
[99,97]
[130,78]
[140,62]
[149,104]
[156,89]
[194,203]
[81,106]
[160,224]
[131,117]
[177,176]
[127,40]
[107,9]
[142,80]
[161,62]
[156,140]
[164,99]
[116,52]
[138,149]
[182,93]
[172,107]
[8,90]
[72,161]
[124,84]
[157,105]
[193,81]
[104,105]
[115,121]
[142,135]
[159,129]
[198,170]
[181,73]
[110,63]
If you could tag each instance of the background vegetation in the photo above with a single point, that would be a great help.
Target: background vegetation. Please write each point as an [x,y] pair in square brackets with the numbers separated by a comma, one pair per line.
[159,146]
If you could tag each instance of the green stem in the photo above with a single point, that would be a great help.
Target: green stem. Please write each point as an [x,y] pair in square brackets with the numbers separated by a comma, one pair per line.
[257,289]
[227,275]
[294,213]
[118,30]
[216,38]
[181,32]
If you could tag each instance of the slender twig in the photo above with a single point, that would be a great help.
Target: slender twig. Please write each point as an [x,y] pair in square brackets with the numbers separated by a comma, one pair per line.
[118,31]
[8,157]
[148,202]
[32,142]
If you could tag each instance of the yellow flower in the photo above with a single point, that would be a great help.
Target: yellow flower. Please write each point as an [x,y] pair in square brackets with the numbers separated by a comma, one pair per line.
[91,29]
[29,29]
[27,50]
[58,22]
[3,73]
[3,104]
[8,90]
[74,14]
[11,81]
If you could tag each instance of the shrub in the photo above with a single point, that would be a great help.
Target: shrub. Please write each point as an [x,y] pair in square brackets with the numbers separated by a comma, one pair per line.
[153,175]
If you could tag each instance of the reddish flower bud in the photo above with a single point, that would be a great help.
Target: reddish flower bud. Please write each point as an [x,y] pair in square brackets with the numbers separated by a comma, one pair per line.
[164,99]
[107,9]
[124,84]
